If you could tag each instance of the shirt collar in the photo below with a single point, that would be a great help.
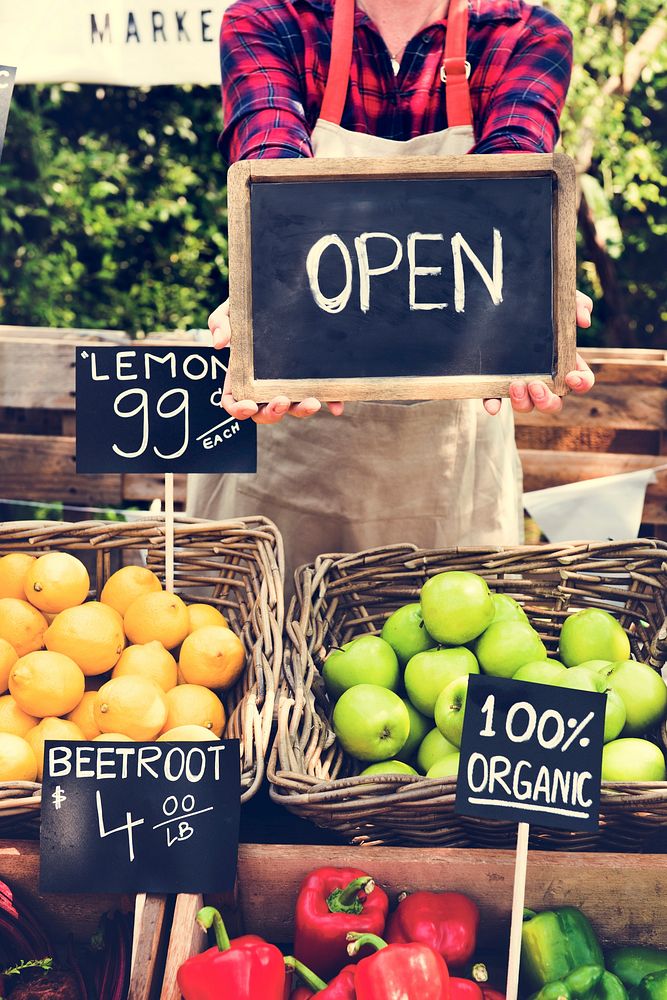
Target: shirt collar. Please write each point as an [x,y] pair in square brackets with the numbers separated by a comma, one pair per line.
[481,11]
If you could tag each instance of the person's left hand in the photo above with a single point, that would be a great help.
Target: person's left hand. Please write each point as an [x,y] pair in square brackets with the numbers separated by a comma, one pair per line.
[526,396]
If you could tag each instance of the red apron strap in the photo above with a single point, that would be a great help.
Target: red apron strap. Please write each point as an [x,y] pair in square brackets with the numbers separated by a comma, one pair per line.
[341,60]
[455,69]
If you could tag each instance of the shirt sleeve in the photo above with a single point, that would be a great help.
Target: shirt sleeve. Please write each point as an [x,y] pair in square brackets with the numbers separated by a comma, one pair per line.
[262,103]
[522,112]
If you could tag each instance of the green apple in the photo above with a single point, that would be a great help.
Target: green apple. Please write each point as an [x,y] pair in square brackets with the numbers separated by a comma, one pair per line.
[643,691]
[368,659]
[406,633]
[595,665]
[632,760]
[419,726]
[427,674]
[433,747]
[371,722]
[540,672]
[590,635]
[506,646]
[456,606]
[446,767]
[506,609]
[388,767]
[450,709]
[582,679]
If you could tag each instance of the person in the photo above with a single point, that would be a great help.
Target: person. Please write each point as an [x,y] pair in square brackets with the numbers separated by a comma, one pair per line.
[387,78]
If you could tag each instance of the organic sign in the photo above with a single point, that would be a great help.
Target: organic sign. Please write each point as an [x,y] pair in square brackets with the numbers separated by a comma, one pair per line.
[7,77]
[140,817]
[157,409]
[360,280]
[531,753]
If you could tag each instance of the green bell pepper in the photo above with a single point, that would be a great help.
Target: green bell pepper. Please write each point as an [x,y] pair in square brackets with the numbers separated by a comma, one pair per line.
[556,943]
[578,985]
[652,987]
[610,987]
[632,964]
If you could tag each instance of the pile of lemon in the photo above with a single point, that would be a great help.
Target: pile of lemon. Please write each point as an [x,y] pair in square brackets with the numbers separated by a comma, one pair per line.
[137,664]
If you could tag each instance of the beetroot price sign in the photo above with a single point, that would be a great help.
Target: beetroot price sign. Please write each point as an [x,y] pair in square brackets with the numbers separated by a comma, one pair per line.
[531,753]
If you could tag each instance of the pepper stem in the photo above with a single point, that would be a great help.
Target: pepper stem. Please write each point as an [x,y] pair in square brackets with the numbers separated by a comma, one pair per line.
[480,973]
[209,917]
[347,900]
[357,942]
[303,972]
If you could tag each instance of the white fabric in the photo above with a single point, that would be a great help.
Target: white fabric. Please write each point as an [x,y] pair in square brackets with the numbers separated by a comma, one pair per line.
[126,42]
[596,510]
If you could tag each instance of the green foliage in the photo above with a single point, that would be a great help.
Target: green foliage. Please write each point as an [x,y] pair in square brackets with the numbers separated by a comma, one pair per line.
[118,208]
[117,215]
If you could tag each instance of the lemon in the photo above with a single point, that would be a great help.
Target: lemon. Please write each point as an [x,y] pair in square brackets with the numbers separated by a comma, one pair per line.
[162,616]
[212,656]
[201,615]
[127,584]
[133,705]
[110,737]
[56,581]
[21,625]
[50,728]
[8,657]
[192,704]
[92,634]
[83,716]
[46,683]
[151,660]
[13,569]
[187,734]
[17,760]
[13,719]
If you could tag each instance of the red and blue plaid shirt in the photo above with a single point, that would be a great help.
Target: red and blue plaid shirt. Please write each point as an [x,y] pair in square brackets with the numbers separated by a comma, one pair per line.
[275,62]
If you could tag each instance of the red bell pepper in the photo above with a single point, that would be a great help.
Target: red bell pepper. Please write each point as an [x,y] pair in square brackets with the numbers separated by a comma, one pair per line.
[447,921]
[399,971]
[464,989]
[341,986]
[302,993]
[489,993]
[333,902]
[245,968]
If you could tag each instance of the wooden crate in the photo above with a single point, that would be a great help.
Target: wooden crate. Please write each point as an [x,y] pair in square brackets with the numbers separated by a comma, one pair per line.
[623,895]
[619,427]
[78,915]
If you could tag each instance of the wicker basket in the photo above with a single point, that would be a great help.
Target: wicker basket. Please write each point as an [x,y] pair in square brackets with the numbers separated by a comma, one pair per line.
[236,566]
[342,596]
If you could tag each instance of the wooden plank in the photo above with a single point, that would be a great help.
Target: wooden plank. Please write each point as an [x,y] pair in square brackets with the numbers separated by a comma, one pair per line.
[149,486]
[151,926]
[542,469]
[57,333]
[37,373]
[186,939]
[609,406]
[241,359]
[574,438]
[622,894]
[633,354]
[43,468]
[564,229]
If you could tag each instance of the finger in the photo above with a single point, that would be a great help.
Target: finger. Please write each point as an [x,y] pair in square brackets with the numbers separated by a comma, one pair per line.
[274,411]
[336,409]
[585,300]
[584,310]
[306,408]
[520,397]
[492,406]
[218,324]
[543,398]
[241,409]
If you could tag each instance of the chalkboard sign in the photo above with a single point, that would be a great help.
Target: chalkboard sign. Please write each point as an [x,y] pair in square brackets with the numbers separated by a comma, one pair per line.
[401,279]
[157,409]
[140,817]
[7,77]
[531,753]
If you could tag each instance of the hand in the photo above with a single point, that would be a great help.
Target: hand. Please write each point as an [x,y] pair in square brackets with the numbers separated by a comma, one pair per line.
[536,395]
[270,413]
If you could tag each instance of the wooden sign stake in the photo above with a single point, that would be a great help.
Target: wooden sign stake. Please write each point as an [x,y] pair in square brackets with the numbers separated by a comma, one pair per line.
[518,899]
[169,531]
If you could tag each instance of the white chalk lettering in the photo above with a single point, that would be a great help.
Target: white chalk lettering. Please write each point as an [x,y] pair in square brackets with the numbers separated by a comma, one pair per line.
[193,359]
[366,271]
[147,756]
[84,756]
[521,789]
[190,772]
[521,706]
[123,362]
[336,303]
[141,407]
[216,750]
[478,758]
[168,359]
[499,768]
[60,761]
[93,370]
[494,285]
[418,272]
[542,784]
[581,780]
[169,773]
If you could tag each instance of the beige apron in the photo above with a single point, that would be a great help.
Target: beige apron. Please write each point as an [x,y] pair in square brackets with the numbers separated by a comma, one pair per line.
[437,473]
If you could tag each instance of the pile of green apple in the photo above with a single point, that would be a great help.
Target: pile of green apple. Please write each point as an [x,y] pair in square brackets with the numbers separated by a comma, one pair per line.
[400,696]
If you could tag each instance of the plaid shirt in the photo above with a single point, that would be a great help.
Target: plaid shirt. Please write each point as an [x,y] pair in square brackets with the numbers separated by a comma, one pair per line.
[275,61]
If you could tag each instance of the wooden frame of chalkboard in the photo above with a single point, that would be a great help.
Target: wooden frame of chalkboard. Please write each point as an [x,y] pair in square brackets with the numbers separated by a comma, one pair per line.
[247,382]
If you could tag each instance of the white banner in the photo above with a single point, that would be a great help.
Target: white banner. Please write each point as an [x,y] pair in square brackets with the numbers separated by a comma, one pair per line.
[126,42]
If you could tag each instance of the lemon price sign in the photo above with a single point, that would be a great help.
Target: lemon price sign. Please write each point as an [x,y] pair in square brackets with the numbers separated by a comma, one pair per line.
[157,409]
[157,817]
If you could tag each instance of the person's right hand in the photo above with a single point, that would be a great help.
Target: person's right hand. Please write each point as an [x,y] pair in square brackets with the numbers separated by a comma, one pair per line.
[270,413]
